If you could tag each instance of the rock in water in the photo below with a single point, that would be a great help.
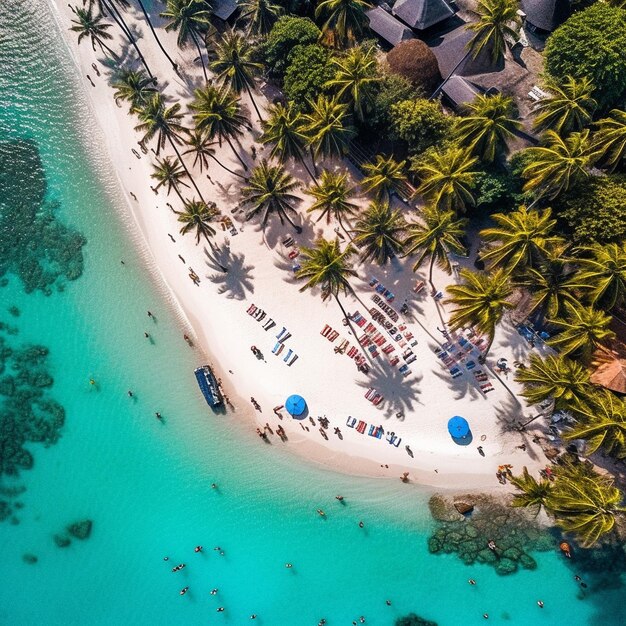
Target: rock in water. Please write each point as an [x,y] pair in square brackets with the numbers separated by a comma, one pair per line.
[80,530]
[62,541]
[463,507]
[29,558]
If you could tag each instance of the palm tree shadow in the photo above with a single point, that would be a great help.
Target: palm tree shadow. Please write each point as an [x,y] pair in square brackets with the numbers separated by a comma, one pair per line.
[400,393]
[508,416]
[237,280]
[461,386]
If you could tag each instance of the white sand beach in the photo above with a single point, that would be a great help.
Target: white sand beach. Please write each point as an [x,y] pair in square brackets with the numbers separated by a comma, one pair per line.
[416,408]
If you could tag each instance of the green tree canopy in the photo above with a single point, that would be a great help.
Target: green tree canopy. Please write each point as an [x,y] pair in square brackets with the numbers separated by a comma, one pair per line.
[382,175]
[557,377]
[420,123]
[497,21]
[343,21]
[480,300]
[601,422]
[531,492]
[520,239]
[308,73]
[595,209]
[378,233]
[287,33]
[591,44]
[610,139]
[583,330]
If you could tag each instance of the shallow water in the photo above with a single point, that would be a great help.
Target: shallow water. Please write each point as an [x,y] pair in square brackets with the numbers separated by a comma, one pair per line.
[147,485]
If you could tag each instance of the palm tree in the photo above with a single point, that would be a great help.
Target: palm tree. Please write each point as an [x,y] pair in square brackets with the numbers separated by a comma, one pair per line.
[89,25]
[568,107]
[169,172]
[582,331]
[234,66]
[332,198]
[520,239]
[189,18]
[158,120]
[549,285]
[327,267]
[487,126]
[202,148]
[344,21]
[610,138]
[557,165]
[327,127]
[269,191]
[356,79]
[534,493]
[586,506]
[601,422]
[218,113]
[437,235]
[554,377]
[198,215]
[134,87]
[602,274]
[498,20]
[382,176]
[261,16]
[151,27]
[480,301]
[447,177]
[378,233]
[282,128]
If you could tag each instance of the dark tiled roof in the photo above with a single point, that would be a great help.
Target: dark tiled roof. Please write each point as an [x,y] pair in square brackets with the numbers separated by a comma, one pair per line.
[224,8]
[546,14]
[452,53]
[422,14]
[459,91]
[388,27]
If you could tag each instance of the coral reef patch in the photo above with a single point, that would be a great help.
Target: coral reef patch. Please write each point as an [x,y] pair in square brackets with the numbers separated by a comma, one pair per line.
[512,533]
[80,530]
[34,245]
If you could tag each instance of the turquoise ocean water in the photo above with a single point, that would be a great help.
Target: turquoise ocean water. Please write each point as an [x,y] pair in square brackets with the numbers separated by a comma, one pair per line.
[147,485]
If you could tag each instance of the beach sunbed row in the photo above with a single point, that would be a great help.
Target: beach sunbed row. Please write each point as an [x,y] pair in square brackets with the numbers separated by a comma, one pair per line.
[259,315]
[390,311]
[374,431]
[374,396]
[344,346]
[227,224]
[382,290]
[291,357]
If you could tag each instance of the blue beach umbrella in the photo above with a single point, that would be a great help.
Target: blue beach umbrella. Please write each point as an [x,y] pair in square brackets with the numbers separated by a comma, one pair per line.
[458,427]
[295,405]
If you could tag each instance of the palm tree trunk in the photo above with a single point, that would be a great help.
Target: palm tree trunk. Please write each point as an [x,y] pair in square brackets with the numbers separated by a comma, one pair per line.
[177,190]
[492,336]
[354,332]
[195,40]
[313,159]
[230,143]
[180,158]
[345,230]
[430,273]
[227,168]
[256,108]
[104,47]
[145,13]
[308,171]
[119,20]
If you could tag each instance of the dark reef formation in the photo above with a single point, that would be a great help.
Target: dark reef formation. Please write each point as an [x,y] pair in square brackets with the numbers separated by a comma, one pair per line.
[34,244]
[514,532]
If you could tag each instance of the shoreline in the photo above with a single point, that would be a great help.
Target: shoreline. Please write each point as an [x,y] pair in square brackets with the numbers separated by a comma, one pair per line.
[223,333]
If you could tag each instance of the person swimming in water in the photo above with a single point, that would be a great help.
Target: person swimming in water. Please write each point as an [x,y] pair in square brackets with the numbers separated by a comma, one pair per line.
[540,604]
[361,524]
[198,549]
[288,565]
[220,609]
[213,592]
[184,591]
[471,581]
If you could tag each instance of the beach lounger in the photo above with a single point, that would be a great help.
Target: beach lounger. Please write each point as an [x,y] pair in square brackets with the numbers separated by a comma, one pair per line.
[293,360]
[396,443]
[390,297]
[372,430]
[351,421]
[370,393]
[261,317]
[419,286]
[269,324]
[470,365]
[325,330]
[332,336]
[406,372]
[288,241]
[394,361]
[352,352]
[293,254]
[373,282]
[295,267]
[380,288]
[361,427]
[278,350]
[289,353]
[411,358]
[251,309]
[281,333]
[388,349]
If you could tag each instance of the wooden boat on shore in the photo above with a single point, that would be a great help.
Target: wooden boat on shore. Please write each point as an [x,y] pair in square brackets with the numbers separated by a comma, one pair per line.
[209,386]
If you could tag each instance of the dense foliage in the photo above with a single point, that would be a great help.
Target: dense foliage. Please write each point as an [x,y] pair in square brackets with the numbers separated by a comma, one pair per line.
[595,210]
[591,44]
[307,73]
[420,123]
[390,89]
[286,34]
